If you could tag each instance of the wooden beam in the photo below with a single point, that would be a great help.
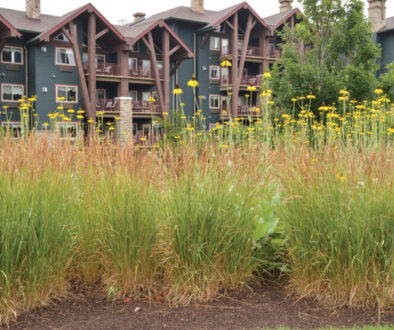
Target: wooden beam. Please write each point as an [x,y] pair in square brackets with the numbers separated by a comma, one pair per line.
[151,47]
[92,63]
[101,33]
[71,34]
[234,73]
[123,61]
[230,25]
[175,49]
[176,67]
[249,26]
[166,68]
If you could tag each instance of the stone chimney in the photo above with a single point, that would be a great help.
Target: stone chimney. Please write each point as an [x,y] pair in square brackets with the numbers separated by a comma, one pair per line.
[198,6]
[377,13]
[285,5]
[139,16]
[33,9]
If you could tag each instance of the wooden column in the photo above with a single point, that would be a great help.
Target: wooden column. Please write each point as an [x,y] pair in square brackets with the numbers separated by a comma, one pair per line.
[92,64]
[234,70]
[123,61]
[2,44]
[166,70]
[151,47]
[72,35]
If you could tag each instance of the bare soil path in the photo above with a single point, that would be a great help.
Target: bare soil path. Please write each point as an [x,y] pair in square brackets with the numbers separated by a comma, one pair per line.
[267,307]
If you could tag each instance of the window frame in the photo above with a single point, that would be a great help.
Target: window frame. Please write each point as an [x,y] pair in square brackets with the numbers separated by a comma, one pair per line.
[13,63]
[218,71]
[211,96]
[64,64]
[136,93]
[105,93]
[10,125]
[69,123]
[65,101]
[210,44]
[143,130]
[150,66]
[10,84]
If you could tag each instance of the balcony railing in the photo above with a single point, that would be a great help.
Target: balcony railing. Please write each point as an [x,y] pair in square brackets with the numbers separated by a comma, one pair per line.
[107,69]
[141,107]
[250,51]
[113,69]
[245,80]
[108,105]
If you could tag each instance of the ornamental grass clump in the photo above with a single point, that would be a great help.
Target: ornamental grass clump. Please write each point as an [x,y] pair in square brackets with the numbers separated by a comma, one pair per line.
[339,220]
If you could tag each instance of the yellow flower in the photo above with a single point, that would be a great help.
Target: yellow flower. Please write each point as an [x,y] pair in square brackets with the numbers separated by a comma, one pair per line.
[109,123]
[311,97]
[267,75]
[90,121]
[165,113]
[151,99]
[226,63]
[293,100]
[79,117]
[143,139]
[177,90]
[45,124]
[111,128]
[378,91]
[193,82]
[251,88]
[341,177]
[61,98]
[80,111]
[70,111]
[100,113]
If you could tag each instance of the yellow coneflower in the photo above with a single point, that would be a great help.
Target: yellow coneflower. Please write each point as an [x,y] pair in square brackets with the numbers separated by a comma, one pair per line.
[251,88]
[192,82]
[267,75]
[226,63]
[151,99]
[177,90]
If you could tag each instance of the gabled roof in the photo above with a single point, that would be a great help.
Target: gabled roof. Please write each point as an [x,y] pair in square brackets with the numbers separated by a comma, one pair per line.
[7,26]
[74,14]
[389,25]
[227,13]
[22,23]
[136,32]
[208,19]
[277,20]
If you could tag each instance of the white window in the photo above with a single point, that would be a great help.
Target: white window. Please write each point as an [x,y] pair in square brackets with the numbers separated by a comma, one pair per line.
[214,43]
[133,64]
[12,55]
[214,101]
[214,72]
[100,94]
[11,93]
[146,67]
[133,95]
[145,96]
[65,56]
[67,130]
[146,129]
[224,74]
[100,61]
[225,46]
[13,128]
[65,93]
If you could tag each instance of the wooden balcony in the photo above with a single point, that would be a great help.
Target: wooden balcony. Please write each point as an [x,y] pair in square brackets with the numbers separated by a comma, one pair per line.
[109,106]
[142,109]
[250,51]
[246,80]
[112,72]
[253,54]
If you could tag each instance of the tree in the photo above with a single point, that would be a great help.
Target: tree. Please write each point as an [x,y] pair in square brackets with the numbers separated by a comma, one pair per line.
[331,49]
[387,81]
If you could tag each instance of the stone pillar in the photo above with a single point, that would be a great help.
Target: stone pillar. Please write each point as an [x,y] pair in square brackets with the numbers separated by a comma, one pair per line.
[285,5]
[377,13]
[126,119]
[33,9]
[198,6]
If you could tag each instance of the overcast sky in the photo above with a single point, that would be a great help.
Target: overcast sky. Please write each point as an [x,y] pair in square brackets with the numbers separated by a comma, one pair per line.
[116,10]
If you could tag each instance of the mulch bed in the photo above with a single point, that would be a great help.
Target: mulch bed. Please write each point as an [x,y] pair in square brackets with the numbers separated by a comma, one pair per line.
[267,306]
